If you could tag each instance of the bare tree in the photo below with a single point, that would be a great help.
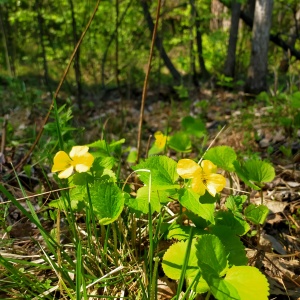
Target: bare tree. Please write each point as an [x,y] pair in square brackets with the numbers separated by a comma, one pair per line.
[230,59]
[158,43]
[203,70]
[257,71]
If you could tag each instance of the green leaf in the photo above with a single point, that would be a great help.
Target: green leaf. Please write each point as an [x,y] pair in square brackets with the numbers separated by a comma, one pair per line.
[181,232]
[256,214]
[132,156]
[235,223]
[108,202]
[173,260]
[244,175]
[235,249]
[190,200]
[295,100]
[259,171]
[221,289]
[104,162]
[222,156]
[249,282]
[235,204]
[211,254]
[180,142]
[193,126]
[141,203]
[163,172]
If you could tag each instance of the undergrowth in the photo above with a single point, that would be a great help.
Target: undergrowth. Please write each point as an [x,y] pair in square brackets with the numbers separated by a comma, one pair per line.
[113,235]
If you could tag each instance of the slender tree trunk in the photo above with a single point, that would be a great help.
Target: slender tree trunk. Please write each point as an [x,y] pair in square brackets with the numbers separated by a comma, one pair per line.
[233,37]
[40,25]
[4,42]
[203,71]
[111,39]
[77,57]
[293,34]
[159,45]
[258,69]
[117,48]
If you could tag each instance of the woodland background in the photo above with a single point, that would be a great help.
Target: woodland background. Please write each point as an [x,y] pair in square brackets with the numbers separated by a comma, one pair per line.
[234,44]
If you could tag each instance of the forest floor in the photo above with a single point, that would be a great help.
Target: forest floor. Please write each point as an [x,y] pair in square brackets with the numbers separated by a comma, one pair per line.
[251,128]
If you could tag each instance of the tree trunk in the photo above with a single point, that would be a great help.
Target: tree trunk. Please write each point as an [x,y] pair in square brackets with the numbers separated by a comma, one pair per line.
[293,34]
[77,57]
[257,72]
[5,46]
[235,18]
[203,71]
[159,45]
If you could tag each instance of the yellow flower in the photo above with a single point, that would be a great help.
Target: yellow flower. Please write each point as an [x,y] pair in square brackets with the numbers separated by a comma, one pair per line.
[160,140]
[203,177]
[78,159]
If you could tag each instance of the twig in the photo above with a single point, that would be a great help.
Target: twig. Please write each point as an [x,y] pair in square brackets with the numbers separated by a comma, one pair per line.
[139,138]
[3,141]
[20,164]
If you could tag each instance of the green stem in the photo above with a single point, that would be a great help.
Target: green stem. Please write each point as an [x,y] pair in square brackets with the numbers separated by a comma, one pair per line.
[208,295]
[154,283]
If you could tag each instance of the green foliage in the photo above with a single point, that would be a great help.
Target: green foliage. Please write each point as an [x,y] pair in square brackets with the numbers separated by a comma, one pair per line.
[222,156]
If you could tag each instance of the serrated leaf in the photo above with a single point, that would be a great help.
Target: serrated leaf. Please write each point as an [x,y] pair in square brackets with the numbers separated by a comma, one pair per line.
[211,254]
[104,162]
[180,142]
[222,156]
[190,200]
[249,282]
[235,203]
[173,260]
[256,214]
[235,249]
[163,171]
[259,171]
[235,223]
[108,202]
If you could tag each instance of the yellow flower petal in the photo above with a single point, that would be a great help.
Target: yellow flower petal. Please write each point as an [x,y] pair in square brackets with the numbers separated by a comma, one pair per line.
[215,183]
[66,173]
[83,163]
[198,185]
[61,161]
[187,168]
[208,167]
[78,151]
[160,139]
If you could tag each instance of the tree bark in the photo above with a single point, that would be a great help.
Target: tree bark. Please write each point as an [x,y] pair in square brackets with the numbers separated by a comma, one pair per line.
[203,71]
[230,59]
[293,35]
[258,69]
[159,45]
[273,37]
[5,46]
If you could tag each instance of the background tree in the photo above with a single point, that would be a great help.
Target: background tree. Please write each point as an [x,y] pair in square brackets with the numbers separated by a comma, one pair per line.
[233,37]
[258,69]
